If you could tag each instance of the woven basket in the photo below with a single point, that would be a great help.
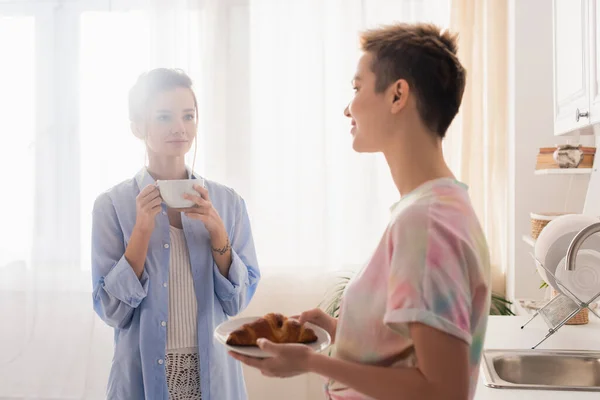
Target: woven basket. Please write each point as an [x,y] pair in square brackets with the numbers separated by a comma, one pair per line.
[540,220]
[581,318]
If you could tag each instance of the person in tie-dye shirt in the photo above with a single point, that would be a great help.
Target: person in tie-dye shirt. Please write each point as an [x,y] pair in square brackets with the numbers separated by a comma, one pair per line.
[413,320]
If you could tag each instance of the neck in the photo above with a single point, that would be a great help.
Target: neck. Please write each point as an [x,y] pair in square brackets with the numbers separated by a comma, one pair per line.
[166,168]
[416,158]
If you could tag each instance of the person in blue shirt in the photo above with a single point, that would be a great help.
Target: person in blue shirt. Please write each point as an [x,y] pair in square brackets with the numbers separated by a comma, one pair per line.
[164,278]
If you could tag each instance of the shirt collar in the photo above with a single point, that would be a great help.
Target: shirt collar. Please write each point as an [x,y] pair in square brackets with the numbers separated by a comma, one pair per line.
[425,186]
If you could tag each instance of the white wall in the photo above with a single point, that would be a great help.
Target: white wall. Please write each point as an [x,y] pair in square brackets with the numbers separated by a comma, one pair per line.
[531,127]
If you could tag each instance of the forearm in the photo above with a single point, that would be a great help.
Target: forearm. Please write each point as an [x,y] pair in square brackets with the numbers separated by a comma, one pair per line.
[137,249]
[221,251]
[378,382]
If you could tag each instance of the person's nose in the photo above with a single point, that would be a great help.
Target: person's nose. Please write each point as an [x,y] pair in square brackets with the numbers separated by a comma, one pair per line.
[347,111]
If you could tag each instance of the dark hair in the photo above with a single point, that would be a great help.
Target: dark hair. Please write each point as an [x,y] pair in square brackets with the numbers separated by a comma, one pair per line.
[152,82]
[426,58]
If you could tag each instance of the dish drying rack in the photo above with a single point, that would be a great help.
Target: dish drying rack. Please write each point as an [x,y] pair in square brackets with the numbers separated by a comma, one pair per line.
[561,308]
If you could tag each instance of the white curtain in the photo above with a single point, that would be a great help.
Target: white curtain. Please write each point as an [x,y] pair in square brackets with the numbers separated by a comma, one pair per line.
[272,78]
[477,144]
[317,204]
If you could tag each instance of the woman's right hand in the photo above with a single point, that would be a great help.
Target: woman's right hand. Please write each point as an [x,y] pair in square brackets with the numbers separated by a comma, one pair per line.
[320,318]
[147,208]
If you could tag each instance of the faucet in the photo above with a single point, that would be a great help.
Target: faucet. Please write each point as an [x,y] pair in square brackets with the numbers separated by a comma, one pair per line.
[577,242]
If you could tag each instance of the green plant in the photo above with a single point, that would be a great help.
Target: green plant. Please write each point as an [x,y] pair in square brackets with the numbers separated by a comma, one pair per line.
[332,301]
[500,305]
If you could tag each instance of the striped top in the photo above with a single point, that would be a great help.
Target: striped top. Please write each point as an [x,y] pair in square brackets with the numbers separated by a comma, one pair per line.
[182,329]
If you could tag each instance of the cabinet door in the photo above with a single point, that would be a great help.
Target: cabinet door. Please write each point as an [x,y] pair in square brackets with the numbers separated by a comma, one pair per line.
[595,61]
[571,65]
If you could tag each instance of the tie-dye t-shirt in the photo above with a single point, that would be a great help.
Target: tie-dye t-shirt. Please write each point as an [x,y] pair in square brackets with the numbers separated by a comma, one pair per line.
[431,266]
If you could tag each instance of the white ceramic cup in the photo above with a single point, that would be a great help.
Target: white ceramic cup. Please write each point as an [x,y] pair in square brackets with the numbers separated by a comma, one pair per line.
[172,191]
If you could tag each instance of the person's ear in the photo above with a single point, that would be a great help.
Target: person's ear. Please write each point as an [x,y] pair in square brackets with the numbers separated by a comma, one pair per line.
[400,91]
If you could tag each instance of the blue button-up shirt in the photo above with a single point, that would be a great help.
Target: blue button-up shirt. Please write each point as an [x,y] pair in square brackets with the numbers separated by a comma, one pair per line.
[136,307]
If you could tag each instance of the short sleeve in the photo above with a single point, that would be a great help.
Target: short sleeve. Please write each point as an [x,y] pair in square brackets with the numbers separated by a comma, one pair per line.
[429,276]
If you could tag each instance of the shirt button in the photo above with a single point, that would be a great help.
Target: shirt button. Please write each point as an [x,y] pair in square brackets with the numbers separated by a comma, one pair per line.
[160,361]
[164,213]
[163,323]
[166,245]
[165,284]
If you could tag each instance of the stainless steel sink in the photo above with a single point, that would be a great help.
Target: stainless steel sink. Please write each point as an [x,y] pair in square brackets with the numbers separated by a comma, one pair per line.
[542,369]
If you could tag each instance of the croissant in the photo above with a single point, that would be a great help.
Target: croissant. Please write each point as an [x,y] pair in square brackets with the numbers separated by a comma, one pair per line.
[274,327]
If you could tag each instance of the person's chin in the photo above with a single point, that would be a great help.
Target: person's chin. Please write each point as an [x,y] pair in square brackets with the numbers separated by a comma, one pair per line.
[360,146]
[179,150]
[174,153]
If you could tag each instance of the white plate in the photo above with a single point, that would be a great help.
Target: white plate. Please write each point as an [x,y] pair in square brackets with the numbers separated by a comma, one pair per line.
[222,333]
[584,281]
[554,240]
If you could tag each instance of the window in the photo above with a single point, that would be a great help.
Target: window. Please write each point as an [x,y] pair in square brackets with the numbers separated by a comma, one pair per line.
[271,123]
[109,62]
[17,127]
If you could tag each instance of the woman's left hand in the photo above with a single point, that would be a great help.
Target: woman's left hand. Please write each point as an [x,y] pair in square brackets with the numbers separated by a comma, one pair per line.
[288,359]
[204,211]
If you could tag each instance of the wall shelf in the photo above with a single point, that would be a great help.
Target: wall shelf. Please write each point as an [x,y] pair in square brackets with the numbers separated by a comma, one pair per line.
[564,171]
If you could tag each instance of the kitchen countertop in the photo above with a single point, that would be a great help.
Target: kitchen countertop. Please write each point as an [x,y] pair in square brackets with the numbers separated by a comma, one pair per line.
[506,333]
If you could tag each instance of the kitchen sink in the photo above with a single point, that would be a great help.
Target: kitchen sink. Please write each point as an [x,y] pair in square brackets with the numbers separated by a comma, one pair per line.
[542,369]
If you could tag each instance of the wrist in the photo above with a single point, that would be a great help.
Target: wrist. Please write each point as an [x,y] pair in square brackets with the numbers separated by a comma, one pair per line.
[142,230]
[221,247]
[314,361]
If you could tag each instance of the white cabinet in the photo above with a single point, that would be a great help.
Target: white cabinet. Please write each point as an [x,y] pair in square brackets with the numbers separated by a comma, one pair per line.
[571,21]
[595,62]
